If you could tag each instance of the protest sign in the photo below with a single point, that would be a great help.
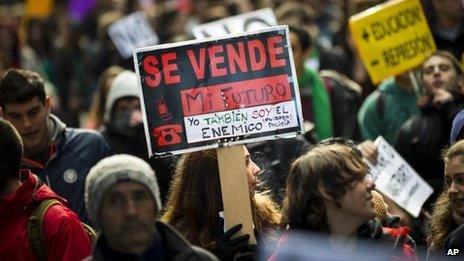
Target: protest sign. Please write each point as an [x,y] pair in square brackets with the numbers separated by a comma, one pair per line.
[392,38]
[255,20]
[208,93]
[235,192]
[131,32]
[396,179]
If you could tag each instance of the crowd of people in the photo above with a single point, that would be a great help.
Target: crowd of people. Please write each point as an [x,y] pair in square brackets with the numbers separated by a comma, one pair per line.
[77,182]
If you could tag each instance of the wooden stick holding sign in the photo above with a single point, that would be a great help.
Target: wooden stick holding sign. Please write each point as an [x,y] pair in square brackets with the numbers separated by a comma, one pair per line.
[235,190]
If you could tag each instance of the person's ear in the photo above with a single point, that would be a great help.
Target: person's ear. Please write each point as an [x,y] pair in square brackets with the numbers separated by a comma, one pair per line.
[48,103]
[325,195]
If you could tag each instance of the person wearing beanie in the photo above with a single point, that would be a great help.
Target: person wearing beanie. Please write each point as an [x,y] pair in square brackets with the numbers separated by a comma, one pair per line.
[123,126]
[122,199]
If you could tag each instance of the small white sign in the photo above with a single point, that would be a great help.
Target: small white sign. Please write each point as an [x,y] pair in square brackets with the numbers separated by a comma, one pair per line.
[251,21]
[240,122]
[396,179]
[130,32]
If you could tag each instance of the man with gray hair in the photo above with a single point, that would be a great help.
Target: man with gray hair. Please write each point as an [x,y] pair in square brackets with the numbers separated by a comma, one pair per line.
[122,199]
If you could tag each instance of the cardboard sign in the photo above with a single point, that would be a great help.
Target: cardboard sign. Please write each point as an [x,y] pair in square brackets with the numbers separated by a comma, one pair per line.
[395,179]
[130,32]
[234,190]
[392,38]
[208,93]
[255,20]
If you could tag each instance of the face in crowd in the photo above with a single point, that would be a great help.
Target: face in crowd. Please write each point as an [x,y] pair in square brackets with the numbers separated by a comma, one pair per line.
[439,72]
[454,181]
[252,171]
[30,118]
[128,212]
[328,184]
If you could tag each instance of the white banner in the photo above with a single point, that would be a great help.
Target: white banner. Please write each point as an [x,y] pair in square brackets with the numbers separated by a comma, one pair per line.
[130,32]
[251,21]
[241,122]
[396,179]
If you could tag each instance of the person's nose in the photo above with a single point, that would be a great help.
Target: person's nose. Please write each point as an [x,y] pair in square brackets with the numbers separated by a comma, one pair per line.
[131,209]
[27,123]
[370,185]
[453,188]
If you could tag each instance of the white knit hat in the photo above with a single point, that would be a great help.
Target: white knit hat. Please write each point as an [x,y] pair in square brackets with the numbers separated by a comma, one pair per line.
[123,85]
[112,170]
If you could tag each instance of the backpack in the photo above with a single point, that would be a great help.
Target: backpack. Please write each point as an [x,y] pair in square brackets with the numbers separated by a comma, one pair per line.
[35,229]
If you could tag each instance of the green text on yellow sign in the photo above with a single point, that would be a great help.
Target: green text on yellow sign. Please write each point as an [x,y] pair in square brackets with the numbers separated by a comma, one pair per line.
[392,38]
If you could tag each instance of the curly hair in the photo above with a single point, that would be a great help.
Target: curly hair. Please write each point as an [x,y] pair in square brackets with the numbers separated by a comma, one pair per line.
[333,166]
[442,221]
[195,200]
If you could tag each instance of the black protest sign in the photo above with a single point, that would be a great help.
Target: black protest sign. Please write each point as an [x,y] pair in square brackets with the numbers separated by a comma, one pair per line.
[204,93]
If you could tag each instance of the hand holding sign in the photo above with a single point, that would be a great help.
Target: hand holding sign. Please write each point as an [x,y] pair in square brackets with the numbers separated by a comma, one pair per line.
[397,180]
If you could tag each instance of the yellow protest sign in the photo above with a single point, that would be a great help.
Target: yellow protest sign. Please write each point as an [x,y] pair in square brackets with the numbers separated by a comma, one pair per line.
[39,8]
[392,38]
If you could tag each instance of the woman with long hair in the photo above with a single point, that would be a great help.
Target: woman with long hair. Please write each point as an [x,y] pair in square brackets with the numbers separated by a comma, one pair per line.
[195,201]
[448,210]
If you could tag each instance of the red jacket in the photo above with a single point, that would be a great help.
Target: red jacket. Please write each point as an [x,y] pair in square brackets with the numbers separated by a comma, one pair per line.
[64,236]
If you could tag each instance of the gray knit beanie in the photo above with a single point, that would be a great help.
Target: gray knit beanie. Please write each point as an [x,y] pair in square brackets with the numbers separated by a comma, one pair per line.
[112,170]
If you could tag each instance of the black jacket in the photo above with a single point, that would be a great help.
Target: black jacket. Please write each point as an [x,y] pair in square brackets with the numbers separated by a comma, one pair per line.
[169,246]
[421,139]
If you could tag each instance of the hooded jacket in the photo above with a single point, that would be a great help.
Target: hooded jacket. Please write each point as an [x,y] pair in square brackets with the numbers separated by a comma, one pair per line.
[72,152]
[169,246]
[64,236]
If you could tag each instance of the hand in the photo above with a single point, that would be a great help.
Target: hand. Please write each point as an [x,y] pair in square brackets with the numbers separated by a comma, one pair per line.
[227,247]
[369,150]
[441,96]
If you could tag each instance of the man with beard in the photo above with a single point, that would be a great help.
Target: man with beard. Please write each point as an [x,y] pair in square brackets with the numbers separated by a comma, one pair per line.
[122,199]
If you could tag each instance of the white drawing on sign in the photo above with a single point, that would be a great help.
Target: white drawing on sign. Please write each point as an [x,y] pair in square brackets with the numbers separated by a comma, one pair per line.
[398,180]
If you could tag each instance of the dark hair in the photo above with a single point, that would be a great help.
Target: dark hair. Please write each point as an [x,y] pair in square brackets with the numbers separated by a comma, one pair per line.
[11,151]
[303,36]
[18,86]
[335,167]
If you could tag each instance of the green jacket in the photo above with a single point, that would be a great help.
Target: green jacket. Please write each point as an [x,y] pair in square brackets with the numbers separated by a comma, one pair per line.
[320,103]
[385,110]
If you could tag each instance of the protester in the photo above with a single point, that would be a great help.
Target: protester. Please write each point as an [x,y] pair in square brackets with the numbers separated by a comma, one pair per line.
[122,199]
[63,236]
[328,193]
[60,156]
[315,101]
[386,109]
[97,108]
[448,210]
[446,23]
[195,203]
[421,138]
[123,126]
